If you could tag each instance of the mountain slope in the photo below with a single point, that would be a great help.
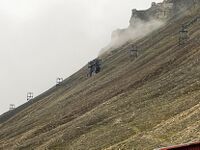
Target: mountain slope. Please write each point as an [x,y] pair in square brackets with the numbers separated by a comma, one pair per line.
[151,102]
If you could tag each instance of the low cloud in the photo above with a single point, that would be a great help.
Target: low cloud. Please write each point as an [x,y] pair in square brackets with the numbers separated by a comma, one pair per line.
[139,30]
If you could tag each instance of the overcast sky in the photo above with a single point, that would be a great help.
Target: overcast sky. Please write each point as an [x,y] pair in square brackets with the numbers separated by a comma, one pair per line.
[41,40]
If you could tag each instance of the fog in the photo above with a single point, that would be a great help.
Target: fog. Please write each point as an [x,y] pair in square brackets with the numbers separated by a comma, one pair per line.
[41,40]
[132,33]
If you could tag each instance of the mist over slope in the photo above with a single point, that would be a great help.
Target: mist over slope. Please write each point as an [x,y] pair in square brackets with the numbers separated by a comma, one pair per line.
[145,103]
[140,29]
[144,22]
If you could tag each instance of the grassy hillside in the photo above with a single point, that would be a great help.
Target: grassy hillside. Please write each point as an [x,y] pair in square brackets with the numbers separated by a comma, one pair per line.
[152,101]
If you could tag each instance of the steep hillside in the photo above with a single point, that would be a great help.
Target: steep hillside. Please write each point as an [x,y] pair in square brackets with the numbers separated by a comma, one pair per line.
[150,102]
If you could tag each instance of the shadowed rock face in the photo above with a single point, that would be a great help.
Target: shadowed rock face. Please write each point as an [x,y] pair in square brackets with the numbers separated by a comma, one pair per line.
[184,4]
[161,11]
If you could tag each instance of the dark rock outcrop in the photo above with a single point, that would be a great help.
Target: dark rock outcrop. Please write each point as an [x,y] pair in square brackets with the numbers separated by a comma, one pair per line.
[162,11]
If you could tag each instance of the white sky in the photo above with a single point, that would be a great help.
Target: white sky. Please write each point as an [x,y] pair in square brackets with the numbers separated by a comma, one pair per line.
[41,40]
